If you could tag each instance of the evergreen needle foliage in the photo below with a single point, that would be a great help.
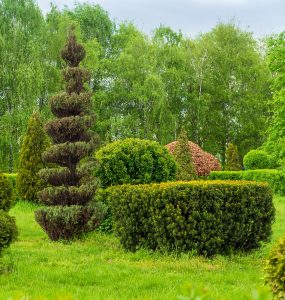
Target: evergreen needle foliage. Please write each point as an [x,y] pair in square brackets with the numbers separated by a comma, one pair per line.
[8,228]
[35,142]
[69,213]
[183,157]
[232,158]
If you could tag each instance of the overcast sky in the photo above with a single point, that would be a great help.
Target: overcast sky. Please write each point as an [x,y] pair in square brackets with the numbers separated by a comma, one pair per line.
[262,17]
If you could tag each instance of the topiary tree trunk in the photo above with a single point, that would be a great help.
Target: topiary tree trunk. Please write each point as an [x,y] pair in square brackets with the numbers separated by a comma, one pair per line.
[35,142]
[71,189]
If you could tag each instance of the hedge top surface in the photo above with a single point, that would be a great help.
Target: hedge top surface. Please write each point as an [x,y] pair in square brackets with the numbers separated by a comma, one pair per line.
[202,183]
[256,171]
[275,178]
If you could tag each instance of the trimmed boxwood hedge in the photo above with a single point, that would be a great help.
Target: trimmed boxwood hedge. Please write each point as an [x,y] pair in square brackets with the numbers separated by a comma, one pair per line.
[209,217]
[275,178]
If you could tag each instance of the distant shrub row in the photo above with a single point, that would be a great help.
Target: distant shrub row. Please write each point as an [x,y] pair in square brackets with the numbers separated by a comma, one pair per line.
[275,178]
[210,217]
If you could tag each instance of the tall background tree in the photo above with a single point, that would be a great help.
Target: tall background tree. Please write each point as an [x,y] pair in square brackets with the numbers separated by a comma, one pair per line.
[275,144]
[21,32]
[233,89]
[216,86]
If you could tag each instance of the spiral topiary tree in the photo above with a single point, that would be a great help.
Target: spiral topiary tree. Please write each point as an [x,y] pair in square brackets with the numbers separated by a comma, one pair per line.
[71,190]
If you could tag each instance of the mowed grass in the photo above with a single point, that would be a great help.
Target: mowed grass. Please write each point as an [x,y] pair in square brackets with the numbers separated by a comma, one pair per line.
[96,267]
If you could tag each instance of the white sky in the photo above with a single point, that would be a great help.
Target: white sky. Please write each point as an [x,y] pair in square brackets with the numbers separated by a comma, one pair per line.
[262,17]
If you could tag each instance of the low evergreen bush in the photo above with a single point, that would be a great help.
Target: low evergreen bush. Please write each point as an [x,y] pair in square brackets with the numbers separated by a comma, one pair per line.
[257,159]
[6,193]
[275,178]
[12,177]
[134,161]
[209,217]
[275,269]
[8,230]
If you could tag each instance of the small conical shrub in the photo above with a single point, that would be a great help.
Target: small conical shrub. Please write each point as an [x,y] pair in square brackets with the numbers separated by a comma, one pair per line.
[69,212]
[232,162]
[35,142]
[183,156]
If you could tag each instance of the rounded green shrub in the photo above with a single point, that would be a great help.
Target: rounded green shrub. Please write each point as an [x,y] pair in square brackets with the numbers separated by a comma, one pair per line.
[275,269]
[134,161]
[6,193]
[257,159]
[8,230]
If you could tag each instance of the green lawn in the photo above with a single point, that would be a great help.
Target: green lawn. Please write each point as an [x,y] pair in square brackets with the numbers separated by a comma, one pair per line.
[98,268]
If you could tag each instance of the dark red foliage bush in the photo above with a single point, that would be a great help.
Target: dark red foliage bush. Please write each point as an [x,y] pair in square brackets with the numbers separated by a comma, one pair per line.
[203,162]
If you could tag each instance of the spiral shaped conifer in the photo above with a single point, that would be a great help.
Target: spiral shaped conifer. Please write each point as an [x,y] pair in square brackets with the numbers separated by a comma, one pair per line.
[72,141]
